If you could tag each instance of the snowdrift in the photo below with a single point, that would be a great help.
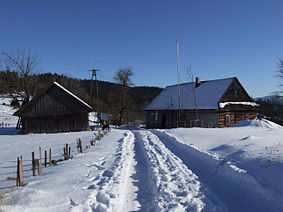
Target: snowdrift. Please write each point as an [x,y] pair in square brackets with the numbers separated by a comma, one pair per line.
[258,123]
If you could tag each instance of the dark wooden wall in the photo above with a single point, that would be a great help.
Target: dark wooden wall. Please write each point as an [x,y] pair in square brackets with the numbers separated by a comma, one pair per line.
[55,124]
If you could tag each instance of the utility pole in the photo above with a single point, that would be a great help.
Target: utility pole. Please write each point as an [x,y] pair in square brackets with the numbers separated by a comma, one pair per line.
[93,71]
[179,89]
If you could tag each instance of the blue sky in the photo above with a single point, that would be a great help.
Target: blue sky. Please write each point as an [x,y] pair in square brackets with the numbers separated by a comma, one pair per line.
[219,38]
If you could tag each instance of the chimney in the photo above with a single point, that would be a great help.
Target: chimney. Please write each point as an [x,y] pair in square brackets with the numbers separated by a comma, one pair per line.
[197,82]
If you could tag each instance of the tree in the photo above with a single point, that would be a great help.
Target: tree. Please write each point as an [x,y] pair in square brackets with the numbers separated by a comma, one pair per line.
[7,81]
[194,98]
[280,71]
[123,77]
[25,65]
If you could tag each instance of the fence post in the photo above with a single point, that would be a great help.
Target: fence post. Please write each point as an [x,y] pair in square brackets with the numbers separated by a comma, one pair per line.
[69,156]
[64,152]
[20,172]
[39,164]
[81,148]
[36,166]
[67,151]
[50,161]
[32,164]
[45,158]
[79,145]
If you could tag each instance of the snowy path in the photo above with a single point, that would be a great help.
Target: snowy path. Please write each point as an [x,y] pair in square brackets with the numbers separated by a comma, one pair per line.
[112,189]
[145,176]
[238,190]
[171,186]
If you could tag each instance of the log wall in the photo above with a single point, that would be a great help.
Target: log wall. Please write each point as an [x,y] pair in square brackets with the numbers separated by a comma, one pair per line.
[235,117]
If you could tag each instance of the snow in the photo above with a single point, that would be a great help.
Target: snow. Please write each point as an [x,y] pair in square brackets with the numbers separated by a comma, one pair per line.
[223,104]
[251,154]
[130,169]
[6,119]
[208,95]
[263,123]
[60,86]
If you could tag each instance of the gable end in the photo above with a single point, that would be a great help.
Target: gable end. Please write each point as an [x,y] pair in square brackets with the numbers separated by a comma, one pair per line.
[235,93]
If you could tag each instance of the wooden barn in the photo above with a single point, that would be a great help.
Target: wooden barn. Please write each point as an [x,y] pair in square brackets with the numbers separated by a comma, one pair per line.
[213,103]
[54,110]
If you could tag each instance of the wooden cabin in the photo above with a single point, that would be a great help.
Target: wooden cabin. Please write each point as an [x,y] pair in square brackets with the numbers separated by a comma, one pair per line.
[54,110]
[213,103]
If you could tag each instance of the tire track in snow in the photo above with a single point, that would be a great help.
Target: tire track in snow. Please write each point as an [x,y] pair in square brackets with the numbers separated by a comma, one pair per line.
[142,177]
[238,190]
[113,189]
[171,185]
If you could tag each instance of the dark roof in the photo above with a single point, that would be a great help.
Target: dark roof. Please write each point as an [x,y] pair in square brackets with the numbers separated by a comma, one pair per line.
[207,95]
[83,106]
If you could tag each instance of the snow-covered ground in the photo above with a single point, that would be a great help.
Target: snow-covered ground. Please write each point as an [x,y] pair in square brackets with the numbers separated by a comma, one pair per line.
[130,169]
[6,119]
[241,165]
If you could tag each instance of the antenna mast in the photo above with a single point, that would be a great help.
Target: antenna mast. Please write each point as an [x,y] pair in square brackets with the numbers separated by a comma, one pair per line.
[179,89]
[97,93]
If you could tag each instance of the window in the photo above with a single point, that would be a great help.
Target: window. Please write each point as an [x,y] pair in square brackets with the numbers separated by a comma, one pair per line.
[236,94]
[227,119]
[155,116]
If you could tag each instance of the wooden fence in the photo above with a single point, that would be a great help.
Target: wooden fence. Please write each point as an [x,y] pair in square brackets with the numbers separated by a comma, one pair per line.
[37,164]
[2,125]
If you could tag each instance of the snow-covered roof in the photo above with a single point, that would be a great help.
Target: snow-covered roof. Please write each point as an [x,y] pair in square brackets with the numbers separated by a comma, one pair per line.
[208,95]
[223,104]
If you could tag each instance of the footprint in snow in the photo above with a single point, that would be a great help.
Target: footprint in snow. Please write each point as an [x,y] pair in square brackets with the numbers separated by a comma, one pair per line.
[72,202]
[102,163]
[98,166]
[101,197]
[181,193]
[91,187]
[107,173]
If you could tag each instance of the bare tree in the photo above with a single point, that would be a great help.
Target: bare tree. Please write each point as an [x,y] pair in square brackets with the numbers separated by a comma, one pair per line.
[280,71]
[194,98]
[123,77]
[25,65]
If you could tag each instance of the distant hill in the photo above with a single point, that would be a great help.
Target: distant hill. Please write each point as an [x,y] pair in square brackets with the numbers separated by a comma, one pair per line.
[274,98]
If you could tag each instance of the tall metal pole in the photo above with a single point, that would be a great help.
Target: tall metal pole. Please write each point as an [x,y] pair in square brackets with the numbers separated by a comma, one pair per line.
[97,93]
[91,87]
[179,89]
